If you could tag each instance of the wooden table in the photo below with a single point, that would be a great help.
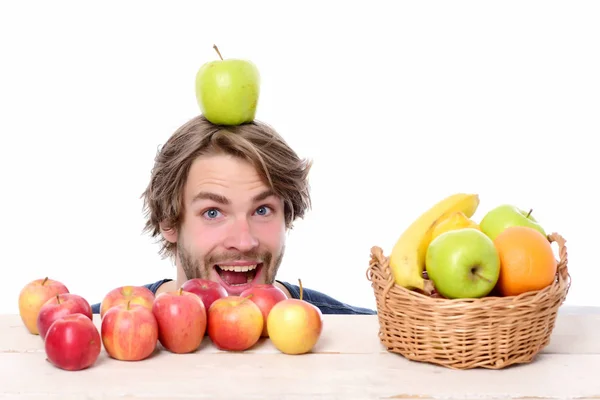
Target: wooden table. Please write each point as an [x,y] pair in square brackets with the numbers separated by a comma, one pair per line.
[348,363]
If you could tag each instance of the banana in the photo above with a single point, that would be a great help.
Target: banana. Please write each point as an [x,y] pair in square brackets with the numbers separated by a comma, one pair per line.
[407,259]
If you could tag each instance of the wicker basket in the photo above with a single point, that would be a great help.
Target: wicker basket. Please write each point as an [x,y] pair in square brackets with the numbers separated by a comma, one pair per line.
[491,332]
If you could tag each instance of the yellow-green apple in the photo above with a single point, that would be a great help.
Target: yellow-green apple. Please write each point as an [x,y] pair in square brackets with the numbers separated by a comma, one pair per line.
[227,90]
[463,263]
[181,319]
[33,296]
[127,294]
[129,332]
[72,342]
[58,306]
[235,323]
[505,216]
[265,296]
[206,289]
[295,325]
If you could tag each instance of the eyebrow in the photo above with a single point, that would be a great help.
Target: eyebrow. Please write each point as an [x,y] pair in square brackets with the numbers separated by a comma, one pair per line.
[217,198]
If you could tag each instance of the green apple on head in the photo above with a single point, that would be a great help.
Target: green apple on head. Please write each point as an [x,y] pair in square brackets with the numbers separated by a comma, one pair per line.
[462,264]
[505,216]
[227,90]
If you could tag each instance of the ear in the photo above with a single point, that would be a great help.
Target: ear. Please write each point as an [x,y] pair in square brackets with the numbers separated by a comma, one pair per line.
[169,233]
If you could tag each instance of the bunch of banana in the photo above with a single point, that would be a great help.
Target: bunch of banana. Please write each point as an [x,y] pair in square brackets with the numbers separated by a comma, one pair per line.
[407,259]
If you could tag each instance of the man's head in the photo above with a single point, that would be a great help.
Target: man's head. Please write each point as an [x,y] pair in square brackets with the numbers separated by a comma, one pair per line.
[222,199]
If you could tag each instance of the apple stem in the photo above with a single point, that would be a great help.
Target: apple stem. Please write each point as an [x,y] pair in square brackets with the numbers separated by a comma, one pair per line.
[300,284]
[246,297]
[128,303]
[482,277]
[217,50]
[529,213]
[180,291]
[58,299]
[44,281]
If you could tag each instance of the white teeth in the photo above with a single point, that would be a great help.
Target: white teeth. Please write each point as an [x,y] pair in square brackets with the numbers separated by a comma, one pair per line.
[236,268]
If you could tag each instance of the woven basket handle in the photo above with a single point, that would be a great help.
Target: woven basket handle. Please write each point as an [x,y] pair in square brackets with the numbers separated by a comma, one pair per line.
[562,253]
[378,264]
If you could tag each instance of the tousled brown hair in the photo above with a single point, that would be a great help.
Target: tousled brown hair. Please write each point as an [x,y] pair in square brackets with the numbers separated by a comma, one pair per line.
[279,166]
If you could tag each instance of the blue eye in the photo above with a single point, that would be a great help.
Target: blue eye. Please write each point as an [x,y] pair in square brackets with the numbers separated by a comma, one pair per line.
[212,213]
[262,210]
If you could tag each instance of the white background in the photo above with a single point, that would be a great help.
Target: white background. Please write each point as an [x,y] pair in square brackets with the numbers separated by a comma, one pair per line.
[399,104]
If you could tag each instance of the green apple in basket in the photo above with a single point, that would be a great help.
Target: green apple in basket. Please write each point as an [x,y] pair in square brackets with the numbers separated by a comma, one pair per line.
[505,216]
[228,90]
[463,263]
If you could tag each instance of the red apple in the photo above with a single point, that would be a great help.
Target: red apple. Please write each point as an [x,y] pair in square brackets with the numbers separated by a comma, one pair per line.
[129,332]
[235,323]
[295,325]
[127,294]
[181,319]
[265,296]
[33,296]
[72,342]
[59,306]
[207,290]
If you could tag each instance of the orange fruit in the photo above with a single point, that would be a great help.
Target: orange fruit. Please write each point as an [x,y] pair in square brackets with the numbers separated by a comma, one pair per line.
[527,261]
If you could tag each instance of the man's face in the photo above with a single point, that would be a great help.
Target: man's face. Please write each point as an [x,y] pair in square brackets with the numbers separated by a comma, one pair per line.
[233,230]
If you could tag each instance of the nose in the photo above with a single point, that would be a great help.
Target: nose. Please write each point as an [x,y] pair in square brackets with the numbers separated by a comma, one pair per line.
[240,236]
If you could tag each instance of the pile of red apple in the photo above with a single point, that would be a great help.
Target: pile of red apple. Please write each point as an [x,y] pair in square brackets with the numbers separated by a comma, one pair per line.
[134,321]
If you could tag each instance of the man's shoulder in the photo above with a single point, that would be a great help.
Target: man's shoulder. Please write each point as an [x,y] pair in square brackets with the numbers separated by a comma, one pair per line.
[155,285]
[327,304]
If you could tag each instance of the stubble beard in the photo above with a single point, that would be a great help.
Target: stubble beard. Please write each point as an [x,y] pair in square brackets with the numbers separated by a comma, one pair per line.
[194,268]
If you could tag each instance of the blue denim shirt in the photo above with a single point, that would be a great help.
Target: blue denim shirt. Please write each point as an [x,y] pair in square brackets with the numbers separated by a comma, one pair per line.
[326,304]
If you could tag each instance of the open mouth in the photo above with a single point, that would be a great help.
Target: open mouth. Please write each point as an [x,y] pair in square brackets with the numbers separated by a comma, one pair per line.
[238,275]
